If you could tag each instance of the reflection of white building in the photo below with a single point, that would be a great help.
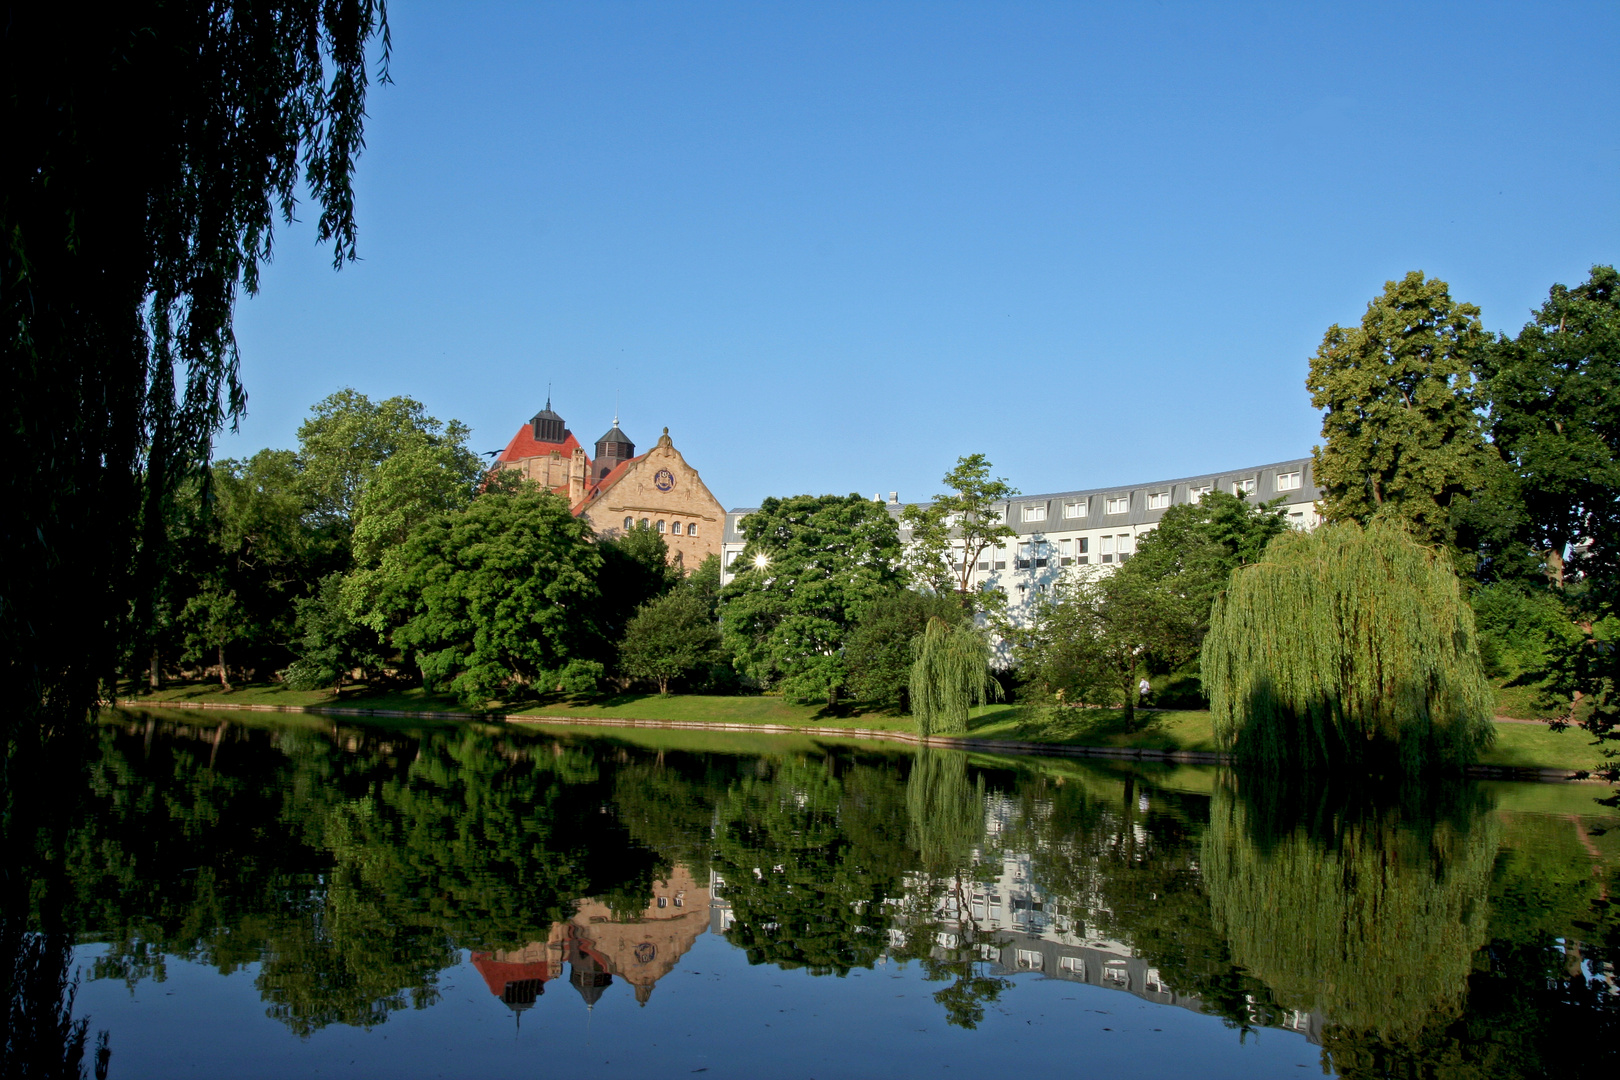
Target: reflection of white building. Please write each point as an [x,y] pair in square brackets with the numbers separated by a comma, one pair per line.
[1098,527]
[1019,929]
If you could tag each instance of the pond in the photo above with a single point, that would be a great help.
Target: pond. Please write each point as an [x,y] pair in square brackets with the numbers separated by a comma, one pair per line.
[231,895]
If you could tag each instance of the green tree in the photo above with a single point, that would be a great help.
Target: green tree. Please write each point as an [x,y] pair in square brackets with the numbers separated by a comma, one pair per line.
[431,474]
[331,643]
[1347,647]
[949,676]
[1527,638]
[1096,635]
[809,569]
[635,570]
[1554,397]
[251,543]
[949,535]
[670,637]
[347,439]
[494,596]
[878,653]
[1401,413]
[149,153]
[214,619]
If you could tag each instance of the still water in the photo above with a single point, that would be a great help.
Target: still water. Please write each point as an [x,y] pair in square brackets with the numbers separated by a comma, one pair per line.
[240,897]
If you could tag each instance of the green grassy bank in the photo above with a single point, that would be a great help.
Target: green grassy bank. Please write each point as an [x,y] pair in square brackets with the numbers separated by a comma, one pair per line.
[1520,745]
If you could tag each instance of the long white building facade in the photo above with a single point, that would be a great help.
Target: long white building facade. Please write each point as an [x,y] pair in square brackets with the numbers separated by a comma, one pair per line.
[1098,527]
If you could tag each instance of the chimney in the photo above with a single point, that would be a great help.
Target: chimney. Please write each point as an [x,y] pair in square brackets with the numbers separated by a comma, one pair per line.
[577,470]
[894,498]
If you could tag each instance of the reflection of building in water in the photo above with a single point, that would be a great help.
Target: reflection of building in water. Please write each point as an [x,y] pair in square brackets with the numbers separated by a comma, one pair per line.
[596,945]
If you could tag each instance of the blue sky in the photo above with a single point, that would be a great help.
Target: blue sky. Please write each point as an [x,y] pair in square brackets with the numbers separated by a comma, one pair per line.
[834,247]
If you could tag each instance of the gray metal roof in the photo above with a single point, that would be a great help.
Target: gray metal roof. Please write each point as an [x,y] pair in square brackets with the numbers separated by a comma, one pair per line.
[1137,513]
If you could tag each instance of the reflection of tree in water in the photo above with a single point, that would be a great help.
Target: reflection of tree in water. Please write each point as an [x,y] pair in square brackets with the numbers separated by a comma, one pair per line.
[1368,913]
[946,812]
[350,864]
[805,872]
[44,779]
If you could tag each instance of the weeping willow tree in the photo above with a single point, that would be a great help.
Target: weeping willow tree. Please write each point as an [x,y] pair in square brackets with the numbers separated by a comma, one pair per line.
[1347,646]
[950,674]
[1370,917]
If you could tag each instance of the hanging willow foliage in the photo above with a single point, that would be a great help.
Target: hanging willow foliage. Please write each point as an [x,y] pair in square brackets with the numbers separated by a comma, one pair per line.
[1371,918]
[946,809]
[1345,647]
[950,673]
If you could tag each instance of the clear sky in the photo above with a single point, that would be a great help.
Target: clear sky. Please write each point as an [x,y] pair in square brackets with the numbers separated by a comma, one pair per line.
[834,247]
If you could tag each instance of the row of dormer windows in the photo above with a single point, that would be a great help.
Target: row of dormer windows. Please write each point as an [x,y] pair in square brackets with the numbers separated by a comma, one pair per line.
[1159,500]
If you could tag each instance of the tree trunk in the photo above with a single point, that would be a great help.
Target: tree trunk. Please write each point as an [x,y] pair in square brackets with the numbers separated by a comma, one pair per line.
[663,685]
[1555,566]
[154,675]
[223,680]
[1130,702]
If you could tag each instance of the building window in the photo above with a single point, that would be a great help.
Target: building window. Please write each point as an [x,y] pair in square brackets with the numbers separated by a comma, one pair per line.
[1036,512]
[675,528]
[1243,487]
[1105,547]
[1075,509]
[660,525]
[1116,973]
[1075,965]
[984,564]
[643,523]
[1196,492]
[1031,959]
[1082,545]
[1159,500]
[629,523]
[1118,505]
[691,528]
[663,901]
[1288,481]
[731,557]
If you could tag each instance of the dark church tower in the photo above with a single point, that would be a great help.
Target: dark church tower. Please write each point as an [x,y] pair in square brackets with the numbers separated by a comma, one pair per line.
[613,448]
[548,426]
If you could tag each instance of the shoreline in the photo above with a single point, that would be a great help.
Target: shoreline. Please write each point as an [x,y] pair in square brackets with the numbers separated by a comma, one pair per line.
[952,742]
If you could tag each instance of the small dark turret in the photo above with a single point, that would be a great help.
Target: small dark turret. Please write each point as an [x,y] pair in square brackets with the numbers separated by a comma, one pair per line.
[613,448]
[548,426]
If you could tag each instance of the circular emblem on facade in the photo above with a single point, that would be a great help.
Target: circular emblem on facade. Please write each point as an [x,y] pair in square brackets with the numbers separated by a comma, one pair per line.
[645,952]
[663,480]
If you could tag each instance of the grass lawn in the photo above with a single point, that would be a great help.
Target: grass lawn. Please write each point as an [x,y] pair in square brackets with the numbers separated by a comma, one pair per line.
[1517,744]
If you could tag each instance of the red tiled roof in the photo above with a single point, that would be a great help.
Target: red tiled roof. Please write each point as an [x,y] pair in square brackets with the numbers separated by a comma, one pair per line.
[525,445]
[497,973]
[592,491]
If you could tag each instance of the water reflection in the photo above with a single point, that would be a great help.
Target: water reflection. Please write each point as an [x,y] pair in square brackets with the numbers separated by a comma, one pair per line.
[1363,909]
[350,867]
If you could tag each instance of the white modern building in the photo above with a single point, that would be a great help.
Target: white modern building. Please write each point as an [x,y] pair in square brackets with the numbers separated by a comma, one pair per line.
[1094,527]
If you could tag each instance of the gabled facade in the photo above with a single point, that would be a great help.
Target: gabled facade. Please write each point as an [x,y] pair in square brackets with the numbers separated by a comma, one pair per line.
[620,489]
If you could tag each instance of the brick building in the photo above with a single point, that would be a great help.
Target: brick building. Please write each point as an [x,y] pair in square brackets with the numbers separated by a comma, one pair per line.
[619,489]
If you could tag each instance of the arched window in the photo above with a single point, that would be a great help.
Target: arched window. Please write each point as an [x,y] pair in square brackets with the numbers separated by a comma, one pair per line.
[691,529]
[675,528]
[629,523]
[660,525]
[643,523]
